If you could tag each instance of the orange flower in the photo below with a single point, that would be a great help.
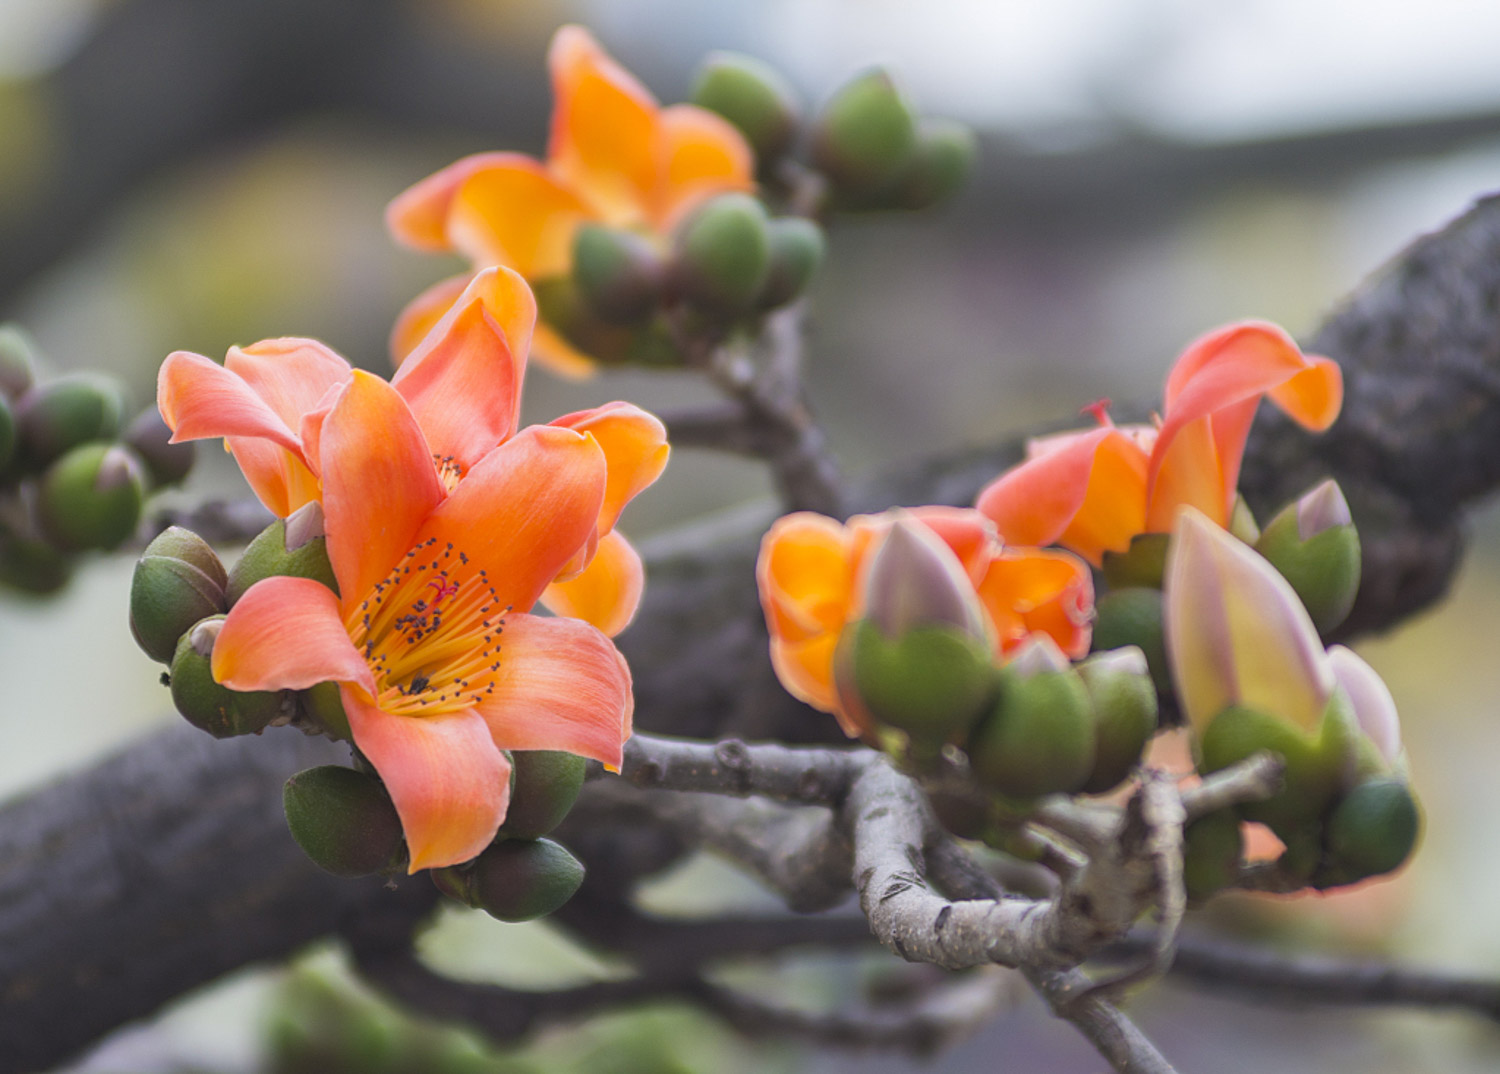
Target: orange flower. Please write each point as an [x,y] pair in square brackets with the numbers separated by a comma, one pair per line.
[438,664]
[811,571]
[614,157]
[1093,491]
[462,385]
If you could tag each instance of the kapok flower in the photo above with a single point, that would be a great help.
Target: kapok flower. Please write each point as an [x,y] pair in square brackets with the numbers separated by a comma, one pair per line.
[1237,635]
[614,157]
[812,572]
[1092,491]
[439,666]
[462,385]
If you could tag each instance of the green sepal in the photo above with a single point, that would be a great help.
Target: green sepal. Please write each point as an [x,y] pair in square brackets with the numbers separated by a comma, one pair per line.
[203,702]
[1133,616]
[544,784]
[864,137]
[1371,831]
[1038,738]
[933,682]
[941,161]
[722,255]
[18,361]
[514,880]
[1212,847]
[33,566]
[7,434]
[797,247]
[344,821]
[1144,564]
[91,498]
[324,706]
[1324,570]
[55,417]
[617,272]
[150,438]
[1125,719]
[560,305]
[267,556]
[753,96]
[167,596]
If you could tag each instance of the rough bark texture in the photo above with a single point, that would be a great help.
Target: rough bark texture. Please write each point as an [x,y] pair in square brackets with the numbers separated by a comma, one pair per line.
[168,865]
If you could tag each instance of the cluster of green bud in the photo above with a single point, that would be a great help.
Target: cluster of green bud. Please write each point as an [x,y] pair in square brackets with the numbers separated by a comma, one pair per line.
[727,264]
[920,670]
[179,595]
[1315,547]
[73,477]
[514,879]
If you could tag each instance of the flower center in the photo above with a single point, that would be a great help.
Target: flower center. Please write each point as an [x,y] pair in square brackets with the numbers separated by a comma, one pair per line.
[449,470]
[430,632]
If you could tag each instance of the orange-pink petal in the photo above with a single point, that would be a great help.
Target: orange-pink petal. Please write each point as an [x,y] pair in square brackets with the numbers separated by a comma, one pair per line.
[805,669]
[701,154]
[286,634]
[418,217]
[280,478]
[199,398]
[635,449]
[422,314]
[448,781]
[805,574]
[550,349]
[524,510]
[379,483]
[292,375]
[1029,590]
[607,592]
[516,213]
[562,685]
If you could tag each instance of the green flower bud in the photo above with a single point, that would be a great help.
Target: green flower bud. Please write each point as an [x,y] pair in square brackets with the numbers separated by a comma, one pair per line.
[149,436]
[7,434]
[92,497]
[1143,565]
[1315,763]
[941,161]
[544,784]
[344,821]
[561,306]
[752,95]
[1314,544]
[1372,830]
[169,593]
[294,546]
[324,706]
[1133,616]
[722,255]
[1119,687]
[865,135]
[618,273]
[204,703]
[33,566]
[932,682]
[1211,851]
[514,880]
[1039,737]
[62,414]
[18,360]
[796,251]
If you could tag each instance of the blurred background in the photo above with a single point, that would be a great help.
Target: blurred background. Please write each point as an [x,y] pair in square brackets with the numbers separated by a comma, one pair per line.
[190,174]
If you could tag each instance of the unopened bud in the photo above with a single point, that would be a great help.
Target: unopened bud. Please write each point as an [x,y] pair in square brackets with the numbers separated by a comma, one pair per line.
[54,417]
[752,95]
[796,251]
[171,590]
[1314,763]
[619,273]
[150,437]
[18,360]
[722,255]
[1039,736]
[1119,687]
[1133,616]
[563,308]
[514,880]
[92,497]
[865,135]
[295,546]
[544,784]
[7,434]
[1212,847]
[931,681]
[206,704]
[1314,544]
[914,579]
[940,162]
[324,706]
[1143,564]
[1373,707]
[33,566]
[1372,830]
[344,821]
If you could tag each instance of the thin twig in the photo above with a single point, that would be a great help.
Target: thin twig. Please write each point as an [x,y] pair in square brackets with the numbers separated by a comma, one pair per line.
[809,776]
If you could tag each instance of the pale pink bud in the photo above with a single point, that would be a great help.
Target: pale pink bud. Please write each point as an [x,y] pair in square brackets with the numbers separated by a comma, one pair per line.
[914,579]
[1322,509]
[1374,708]
[1036,655]
[303,525]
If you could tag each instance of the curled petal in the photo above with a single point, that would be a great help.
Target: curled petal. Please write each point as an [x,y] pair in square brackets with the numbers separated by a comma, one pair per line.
[280,478]
[286,634]
[607,592]
[1028,590]
[701,154]
[635,449]
[199,398]
[421,314]
[562,685]
[379,483]
[1190,475]
[806,578]
[449,783]
[1237,633]
[1313,397]
[418,217]
[604,125]
[524,510]
[292,375]
[516,213]
[805,669]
